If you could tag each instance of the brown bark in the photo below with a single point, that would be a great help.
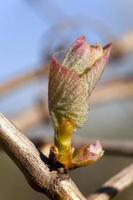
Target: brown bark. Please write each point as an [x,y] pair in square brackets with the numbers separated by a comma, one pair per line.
[114,185]
[36,168]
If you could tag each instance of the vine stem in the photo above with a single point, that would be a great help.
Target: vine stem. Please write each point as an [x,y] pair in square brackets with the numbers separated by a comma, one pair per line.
[56,184]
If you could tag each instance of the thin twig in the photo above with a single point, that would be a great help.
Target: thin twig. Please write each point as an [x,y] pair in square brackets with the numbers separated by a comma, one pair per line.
[36,168]
[121,46]
[111,146]
[115,90]
[23,80]
[31,117]
[114,185]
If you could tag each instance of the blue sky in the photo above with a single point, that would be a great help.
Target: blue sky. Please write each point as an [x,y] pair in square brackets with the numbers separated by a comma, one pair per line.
[22,27]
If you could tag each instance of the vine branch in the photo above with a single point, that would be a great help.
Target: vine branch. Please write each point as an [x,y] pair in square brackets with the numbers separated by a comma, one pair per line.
[114,185]
[56,184]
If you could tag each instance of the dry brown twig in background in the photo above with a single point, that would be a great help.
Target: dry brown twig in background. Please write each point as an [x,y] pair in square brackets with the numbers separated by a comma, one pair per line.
[30,118]
[123,46]
[111,147]
[112,91]
[114,185]
[38,172]
[23,79]
[116,90]
[120,47]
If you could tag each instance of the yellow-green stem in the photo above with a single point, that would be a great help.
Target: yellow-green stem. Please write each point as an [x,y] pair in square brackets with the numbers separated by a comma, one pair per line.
[63,141]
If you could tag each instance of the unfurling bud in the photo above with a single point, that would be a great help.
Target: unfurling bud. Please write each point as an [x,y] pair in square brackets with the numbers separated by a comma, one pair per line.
[71,83]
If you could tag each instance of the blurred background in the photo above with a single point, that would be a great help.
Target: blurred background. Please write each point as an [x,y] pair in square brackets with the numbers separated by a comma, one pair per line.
[30,32]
